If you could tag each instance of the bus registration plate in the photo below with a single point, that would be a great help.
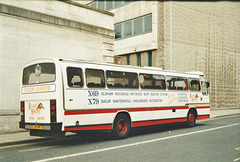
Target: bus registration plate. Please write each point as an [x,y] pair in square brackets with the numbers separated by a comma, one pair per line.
[37,127]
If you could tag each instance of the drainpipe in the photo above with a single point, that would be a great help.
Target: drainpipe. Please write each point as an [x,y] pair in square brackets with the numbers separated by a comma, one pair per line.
[170,35]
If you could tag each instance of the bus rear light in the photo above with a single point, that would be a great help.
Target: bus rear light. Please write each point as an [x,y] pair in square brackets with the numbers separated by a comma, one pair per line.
[53,111]
[22,108]
[53,107]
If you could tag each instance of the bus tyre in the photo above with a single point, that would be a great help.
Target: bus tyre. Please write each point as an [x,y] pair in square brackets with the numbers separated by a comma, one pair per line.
[121,127]
[191,118]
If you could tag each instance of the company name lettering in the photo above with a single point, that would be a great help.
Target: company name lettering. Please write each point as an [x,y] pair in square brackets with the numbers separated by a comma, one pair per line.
[46,88]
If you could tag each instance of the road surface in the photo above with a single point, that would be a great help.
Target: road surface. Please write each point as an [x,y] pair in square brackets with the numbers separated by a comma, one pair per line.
[216,139]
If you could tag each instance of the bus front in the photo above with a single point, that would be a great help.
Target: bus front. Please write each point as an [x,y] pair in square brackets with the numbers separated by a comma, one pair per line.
[40,94]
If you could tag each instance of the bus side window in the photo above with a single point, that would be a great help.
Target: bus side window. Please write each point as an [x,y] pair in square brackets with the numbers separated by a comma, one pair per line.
[74,77]
[119,79]
[204,85]
[95,78]
[194,84]
[152,81]
[177,83]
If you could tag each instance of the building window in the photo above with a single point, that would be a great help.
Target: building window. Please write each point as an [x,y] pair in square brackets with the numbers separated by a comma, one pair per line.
[108,4]
[128,59]
[149,58]
[101,5]
[148,23]
[128,28]
[118,31]
[138,59]
[140,25]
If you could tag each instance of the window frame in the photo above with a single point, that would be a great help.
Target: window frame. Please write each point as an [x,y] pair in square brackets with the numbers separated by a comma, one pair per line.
[189,84]
[152,88]
[128,59]
[102,85]
[34,65]
[149,54]
[82,79]
[121,25]
[115,4]
[139,60]
[185,89]
[123,87]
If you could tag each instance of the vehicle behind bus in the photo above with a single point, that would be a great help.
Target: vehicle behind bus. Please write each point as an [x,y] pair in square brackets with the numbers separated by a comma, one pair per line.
[59,96]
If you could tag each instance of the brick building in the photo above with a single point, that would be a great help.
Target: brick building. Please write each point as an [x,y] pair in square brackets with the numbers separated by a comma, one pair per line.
[182,36]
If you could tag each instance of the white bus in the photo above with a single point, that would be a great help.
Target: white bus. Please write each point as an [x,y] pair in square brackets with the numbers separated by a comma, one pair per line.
[59,96]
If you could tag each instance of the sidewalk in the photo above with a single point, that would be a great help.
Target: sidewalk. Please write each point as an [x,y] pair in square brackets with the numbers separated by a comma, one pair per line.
[223,112]
[21,136]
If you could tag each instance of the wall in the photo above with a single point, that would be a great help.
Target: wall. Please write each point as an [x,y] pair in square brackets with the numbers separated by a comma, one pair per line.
[33,29]
[205,37]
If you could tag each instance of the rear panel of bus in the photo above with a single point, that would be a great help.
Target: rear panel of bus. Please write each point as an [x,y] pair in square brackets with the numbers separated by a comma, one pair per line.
[40,97]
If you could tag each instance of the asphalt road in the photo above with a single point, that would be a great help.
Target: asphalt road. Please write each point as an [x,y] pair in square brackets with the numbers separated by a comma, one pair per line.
[216,139]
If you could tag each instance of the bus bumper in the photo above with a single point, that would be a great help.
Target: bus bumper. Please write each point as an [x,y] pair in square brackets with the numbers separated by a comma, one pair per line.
[51,126]
[43,130]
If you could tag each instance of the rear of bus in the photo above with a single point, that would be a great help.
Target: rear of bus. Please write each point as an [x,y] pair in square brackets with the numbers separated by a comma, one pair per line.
[41,98]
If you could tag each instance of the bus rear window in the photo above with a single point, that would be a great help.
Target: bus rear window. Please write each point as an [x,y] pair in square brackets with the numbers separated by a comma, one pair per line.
[39,73]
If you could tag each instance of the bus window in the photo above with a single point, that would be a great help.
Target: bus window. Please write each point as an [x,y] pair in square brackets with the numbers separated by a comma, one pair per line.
[95,78]
[204,85]
[117,79]
[39,73]
[74,76]
[177,83]
[151,81]
[194,84]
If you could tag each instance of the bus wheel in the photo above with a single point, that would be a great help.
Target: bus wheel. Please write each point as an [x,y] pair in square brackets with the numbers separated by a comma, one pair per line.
[191,118]
[121,127]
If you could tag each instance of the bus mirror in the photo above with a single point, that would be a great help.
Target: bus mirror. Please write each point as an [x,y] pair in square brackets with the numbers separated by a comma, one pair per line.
[208,84]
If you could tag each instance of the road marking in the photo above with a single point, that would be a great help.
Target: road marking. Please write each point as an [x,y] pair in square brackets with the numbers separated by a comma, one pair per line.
[216,118]
[33,143]
[19,145]
[238,148]
[236,159]
[134,144]
[35,149]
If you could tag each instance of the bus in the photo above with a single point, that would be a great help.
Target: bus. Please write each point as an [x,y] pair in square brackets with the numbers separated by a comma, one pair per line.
[62,95]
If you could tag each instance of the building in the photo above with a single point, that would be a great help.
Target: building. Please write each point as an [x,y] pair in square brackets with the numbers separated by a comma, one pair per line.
[183,36]
[35,29]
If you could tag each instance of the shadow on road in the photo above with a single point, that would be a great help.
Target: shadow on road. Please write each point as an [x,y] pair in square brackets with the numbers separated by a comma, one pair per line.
[87,138]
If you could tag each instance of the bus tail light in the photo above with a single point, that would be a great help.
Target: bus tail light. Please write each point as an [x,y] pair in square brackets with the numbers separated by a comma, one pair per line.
[22,108]
[53,111]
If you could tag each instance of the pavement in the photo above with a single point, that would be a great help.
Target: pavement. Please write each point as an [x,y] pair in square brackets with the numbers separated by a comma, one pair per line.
[22,136]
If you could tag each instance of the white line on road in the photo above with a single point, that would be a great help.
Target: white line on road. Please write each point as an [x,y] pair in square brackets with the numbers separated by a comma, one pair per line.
[35,149]
[134,144]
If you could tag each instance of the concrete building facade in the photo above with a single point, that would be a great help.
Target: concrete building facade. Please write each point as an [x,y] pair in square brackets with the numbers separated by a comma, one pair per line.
[184,36]
[36,29]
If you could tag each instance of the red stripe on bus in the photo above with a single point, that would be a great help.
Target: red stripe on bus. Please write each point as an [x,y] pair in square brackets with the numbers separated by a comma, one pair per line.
[202,107]
[81,112]
[157,122]
[95,127]
[203,117]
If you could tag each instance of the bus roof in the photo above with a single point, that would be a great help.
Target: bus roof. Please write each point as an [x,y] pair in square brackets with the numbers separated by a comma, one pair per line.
[145,68]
